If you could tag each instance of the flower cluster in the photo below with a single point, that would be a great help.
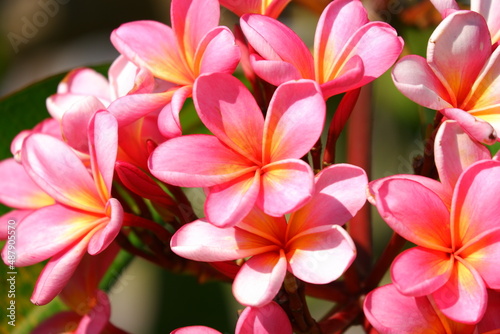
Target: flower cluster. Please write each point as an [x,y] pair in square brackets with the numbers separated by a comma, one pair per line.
[112,162]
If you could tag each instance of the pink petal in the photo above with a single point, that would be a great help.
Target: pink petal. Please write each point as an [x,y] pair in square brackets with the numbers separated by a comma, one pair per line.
[458,50]
[122,76]
[417,81]
[18,190]
[295,107]
[9,222]
[153,45]
[464,297]
[483,255]
[57,272]
[268,319]
[490,320]
[260,279]
[270,8]
[339,193]
[230,112]
[109,229]
[349,78]
[415,212]
[229,203]
[275,41]
[62,226]
[444,6]
[268,227]
[477,128]
[191,20]
[275,72]
[322,255]
[85,82]
[472,215]
[338,22]
[75,120]
[195,330]
[389,311]
[455,151]
[200,161]
[286,185]
[168,119]
[420,271]
[201,241]
[58,104]
[60,173]
[98,318]
[217,52]
[103,148]
[490,10]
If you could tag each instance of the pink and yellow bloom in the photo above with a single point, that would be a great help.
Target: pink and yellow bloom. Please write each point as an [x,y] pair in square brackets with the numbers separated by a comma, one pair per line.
[249,160]
[460,76]
[271,8]
[194,45]
[389,312]
[347,49]
[85,218]
[458,246]
[312,245]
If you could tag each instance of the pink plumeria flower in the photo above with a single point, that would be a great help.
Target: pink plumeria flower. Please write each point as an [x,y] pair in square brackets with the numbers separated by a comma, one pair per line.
[249,160]
[84,219]
[271,8]
[268,319]
[389,312]
[459,77]
[454,151]
[349,51]
[90,307]
[193,46]
[458,247]
[312,245]
[489,9]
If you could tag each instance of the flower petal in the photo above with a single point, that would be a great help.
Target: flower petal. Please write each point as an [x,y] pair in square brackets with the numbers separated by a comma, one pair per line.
[230,112]
[229,203]
[197,161]
[295,106]
[169,123]
[490,10]
[418,82]
[457,51]
[490,320]
[420,271]
[275,72]
[444,6]
[260,279]
[275,41]
[18,190]
[463,298]
[195,330]
[268,319]
[58,323]
[286,185]
[472,215]
[111,226]
[339,193]
[389,311]
[415,212]
[322,255]
[455,151]
[60,173]
[153,45]
[202,241]
[477,128]
[217,52]
[62,226]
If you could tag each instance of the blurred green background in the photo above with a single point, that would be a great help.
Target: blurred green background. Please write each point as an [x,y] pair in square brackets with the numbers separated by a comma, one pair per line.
[76,33]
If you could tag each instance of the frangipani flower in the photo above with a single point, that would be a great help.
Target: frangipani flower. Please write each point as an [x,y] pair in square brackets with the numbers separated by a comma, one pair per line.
[349,51]
[458,248]
[90,307]
[84,219]
[193,46]
[312,245]
[268,319]
[271,8]
[249,160]
[389,312]
[489,9]
[460,77]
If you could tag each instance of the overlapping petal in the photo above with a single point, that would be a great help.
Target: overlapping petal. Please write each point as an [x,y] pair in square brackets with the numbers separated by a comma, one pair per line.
[271,8]
[260,279]
[267,319]
[490,10]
